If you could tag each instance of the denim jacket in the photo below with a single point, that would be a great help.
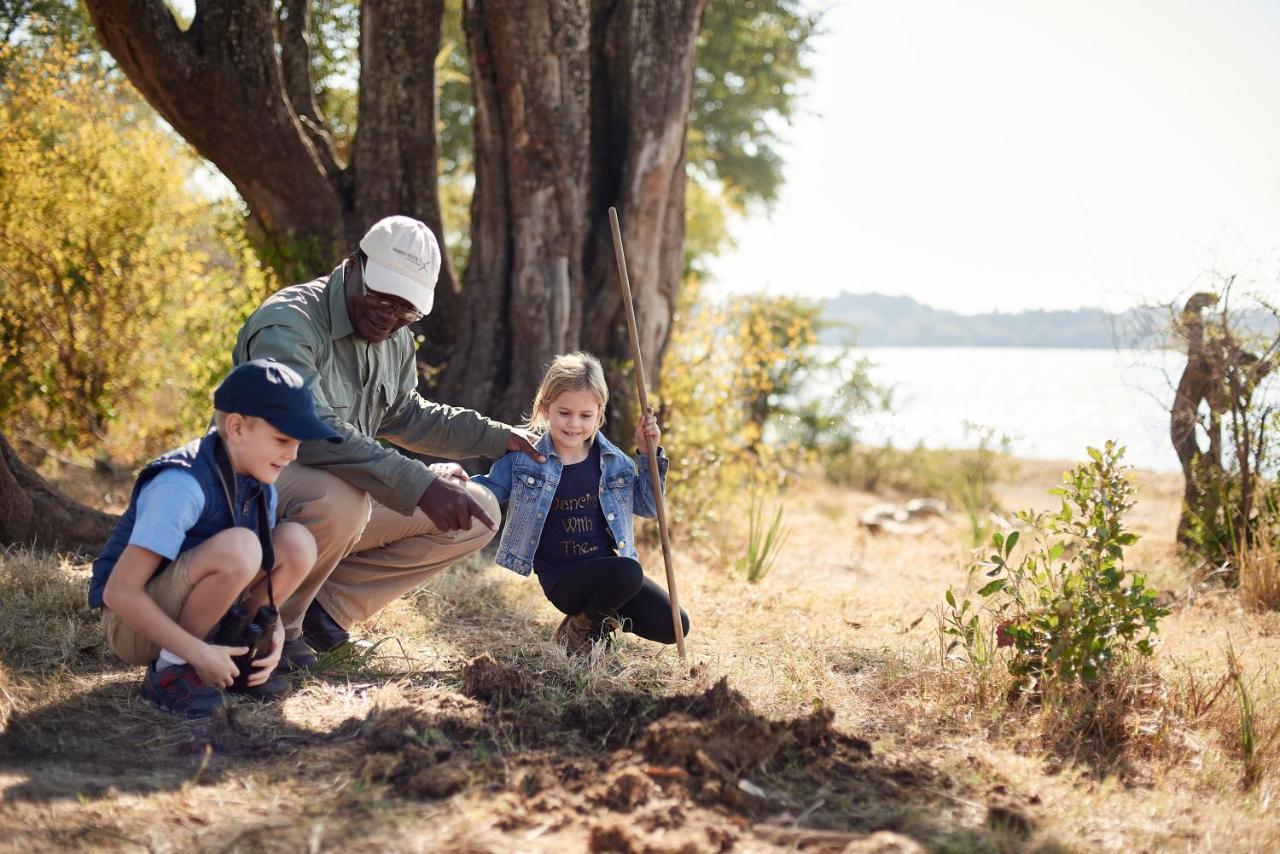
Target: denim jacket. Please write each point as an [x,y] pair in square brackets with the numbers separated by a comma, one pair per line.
[528,488]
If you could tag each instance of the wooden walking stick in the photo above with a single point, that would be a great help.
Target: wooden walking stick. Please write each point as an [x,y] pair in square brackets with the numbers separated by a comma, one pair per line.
[625,282]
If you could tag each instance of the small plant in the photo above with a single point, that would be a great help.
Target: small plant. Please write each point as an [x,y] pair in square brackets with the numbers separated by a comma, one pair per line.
[963,622]
[970,482]
[763,543]
[1248,741]
[1066,606]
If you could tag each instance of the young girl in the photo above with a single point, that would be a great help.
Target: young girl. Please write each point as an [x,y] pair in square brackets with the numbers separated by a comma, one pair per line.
[569,519]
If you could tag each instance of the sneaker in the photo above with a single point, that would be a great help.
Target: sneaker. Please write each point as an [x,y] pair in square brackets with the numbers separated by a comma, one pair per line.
[296,655]
[179,690]
[574,634]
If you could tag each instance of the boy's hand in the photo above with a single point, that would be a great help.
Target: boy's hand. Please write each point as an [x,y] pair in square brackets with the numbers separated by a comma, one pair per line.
[647,433]
[264,667]
[214,664]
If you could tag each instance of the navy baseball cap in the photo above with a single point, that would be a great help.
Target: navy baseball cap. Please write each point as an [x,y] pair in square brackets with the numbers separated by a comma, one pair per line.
[274,392]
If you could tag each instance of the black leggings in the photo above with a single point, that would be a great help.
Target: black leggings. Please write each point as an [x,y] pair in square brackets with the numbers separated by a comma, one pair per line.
[616,587]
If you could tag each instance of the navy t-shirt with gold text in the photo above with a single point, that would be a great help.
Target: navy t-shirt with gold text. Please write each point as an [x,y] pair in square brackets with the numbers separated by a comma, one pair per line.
[575,528]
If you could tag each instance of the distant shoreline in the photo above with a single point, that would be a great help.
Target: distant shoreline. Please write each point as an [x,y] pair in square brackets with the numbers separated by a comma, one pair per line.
[878,320]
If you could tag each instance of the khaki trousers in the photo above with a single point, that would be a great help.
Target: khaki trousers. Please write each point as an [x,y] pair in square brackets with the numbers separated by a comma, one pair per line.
[367,555]
[169,589]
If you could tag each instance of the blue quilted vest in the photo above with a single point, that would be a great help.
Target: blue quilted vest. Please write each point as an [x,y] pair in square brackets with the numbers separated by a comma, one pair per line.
[230,501]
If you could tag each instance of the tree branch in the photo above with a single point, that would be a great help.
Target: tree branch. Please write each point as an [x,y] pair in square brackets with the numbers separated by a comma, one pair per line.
[220,85]
[294,23]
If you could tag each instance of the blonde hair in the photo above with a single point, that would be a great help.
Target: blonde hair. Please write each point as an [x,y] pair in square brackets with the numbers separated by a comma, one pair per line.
[220,420]
[573,372]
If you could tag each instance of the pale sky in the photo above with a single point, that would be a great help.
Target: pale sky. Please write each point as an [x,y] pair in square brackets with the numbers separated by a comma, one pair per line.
[997,154]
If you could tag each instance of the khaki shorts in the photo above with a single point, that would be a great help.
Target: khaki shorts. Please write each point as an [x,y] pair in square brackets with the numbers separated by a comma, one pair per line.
[169,590]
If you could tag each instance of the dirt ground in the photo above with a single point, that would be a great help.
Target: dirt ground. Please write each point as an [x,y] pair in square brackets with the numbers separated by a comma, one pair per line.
[815,714]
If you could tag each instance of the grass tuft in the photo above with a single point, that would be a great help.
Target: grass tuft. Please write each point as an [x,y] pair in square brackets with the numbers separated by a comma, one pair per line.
[1260,572]
[45,619]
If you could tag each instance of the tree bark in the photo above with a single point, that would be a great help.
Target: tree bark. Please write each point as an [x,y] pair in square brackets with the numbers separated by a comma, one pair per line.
[578,107]
[643,66]
[523,289]
[394,156]
[1196,385]
[33,513]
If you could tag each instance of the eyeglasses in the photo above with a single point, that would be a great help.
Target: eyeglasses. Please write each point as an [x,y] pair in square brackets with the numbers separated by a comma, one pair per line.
[380,303]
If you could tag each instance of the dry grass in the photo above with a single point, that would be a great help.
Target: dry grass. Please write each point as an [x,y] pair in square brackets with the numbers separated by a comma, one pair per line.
[1260,572]
[429,744]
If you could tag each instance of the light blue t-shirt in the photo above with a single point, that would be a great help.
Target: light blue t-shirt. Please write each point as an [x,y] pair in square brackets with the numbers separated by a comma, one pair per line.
[168,506]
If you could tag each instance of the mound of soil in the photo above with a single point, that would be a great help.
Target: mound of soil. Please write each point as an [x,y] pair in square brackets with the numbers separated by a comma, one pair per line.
[484,678]
[423,749]
[658,752]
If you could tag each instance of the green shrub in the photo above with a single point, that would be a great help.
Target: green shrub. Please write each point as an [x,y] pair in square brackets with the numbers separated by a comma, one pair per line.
[121,287]
[735,402]
[764,540]
[1064,603]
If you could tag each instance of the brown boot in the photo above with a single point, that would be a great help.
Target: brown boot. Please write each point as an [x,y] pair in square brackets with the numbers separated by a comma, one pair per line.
[574,634]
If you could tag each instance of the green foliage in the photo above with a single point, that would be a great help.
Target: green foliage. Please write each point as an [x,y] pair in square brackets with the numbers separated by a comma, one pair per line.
[793,392]
[706,229]
[121,287]
[764,541]
[1065,604]
[43,22]
[752,62]
[335,68]
[963,622]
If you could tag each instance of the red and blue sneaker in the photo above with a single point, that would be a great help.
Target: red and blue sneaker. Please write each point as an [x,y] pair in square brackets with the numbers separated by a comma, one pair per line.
[179,691]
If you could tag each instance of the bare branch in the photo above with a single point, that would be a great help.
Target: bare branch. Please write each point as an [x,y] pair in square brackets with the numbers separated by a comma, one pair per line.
[294,22]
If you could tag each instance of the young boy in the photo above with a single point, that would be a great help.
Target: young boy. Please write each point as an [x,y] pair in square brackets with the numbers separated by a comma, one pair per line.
[197,536]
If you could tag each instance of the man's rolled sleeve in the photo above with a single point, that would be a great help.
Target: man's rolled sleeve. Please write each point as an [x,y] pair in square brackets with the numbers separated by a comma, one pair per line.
[439,430]
[446,431]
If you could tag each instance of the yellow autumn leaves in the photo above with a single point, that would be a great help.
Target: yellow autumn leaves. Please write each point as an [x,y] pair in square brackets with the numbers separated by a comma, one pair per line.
[121,285]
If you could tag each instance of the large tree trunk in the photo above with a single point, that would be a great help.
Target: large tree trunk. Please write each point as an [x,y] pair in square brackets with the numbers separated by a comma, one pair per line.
[580,104]
[643,56]
[33,513]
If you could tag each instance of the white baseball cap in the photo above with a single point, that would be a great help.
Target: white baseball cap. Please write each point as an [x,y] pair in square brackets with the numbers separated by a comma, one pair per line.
[404,260]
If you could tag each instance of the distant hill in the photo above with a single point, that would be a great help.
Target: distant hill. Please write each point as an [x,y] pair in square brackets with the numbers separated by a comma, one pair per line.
[877,320]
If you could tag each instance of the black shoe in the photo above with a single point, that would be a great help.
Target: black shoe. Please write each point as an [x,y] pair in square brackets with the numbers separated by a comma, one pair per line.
[321,632]
[296,655]
[275,688]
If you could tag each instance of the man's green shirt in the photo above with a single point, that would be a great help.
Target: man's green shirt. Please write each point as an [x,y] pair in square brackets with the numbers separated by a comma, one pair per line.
[365,391]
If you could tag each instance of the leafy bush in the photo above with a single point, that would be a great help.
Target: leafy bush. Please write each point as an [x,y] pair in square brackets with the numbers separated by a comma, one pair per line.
[120,286]
[1065,604]
[734,400]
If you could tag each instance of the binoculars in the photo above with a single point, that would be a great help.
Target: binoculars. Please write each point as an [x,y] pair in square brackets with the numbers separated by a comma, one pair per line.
[236,629]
